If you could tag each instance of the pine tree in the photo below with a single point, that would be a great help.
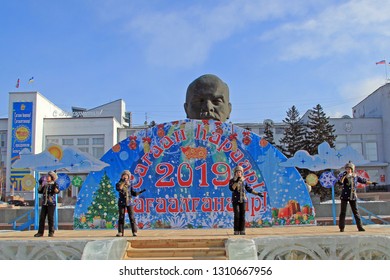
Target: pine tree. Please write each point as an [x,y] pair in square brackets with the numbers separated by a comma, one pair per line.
[268,132]
[104,205]
[319,130]
[294,134]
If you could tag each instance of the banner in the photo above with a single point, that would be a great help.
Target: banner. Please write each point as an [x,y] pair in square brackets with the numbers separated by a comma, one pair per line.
[22,117]
[185,167]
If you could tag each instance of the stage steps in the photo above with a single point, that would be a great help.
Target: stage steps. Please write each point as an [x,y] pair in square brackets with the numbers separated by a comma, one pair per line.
[176,249]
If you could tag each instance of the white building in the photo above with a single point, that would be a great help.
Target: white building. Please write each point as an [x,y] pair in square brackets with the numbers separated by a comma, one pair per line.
[34,122]
[368,132]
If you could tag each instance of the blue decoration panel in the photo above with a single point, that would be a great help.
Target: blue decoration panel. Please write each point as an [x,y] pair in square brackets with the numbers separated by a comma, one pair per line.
[185,167]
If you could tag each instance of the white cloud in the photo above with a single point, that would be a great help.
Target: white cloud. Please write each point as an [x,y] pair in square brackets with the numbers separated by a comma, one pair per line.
[184,35]
[351,93]
[352,26]
[358,90]
[171,40]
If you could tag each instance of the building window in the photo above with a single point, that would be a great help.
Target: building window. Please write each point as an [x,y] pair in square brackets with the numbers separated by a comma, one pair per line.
[370,137]
[82,141]
[97,152]
[355,138]
[3,139]
[67,142]
[371,151]
[53,141]
[98,141]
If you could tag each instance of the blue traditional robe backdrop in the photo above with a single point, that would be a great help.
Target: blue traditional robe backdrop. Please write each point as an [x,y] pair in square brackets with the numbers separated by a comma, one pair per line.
[185,167]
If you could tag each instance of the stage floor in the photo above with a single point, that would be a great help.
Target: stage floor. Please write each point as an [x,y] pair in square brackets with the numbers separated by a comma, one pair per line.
[282,243]
[350,230]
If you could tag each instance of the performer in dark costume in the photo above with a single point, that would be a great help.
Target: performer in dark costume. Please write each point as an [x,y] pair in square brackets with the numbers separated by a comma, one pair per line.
[49,189]
[349,179]
[239,186]
[125,201]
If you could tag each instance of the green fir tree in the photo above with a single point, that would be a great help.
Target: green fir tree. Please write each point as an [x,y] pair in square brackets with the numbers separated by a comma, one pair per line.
[319,130]
[268,132]
[294,134]
[103,212]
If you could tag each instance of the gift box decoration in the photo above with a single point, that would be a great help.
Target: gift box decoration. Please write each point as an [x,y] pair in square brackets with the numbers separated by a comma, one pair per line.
[294,206]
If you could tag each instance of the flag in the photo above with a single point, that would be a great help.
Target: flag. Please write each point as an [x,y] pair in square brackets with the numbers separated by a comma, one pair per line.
[381,62]
[17,83]
[31,80]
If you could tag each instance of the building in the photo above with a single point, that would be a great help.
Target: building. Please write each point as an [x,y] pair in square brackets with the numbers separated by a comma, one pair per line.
[365,135]
[34,122]
[377,106]
[368,132]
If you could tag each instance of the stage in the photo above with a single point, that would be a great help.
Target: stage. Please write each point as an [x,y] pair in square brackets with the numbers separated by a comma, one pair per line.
[296,242]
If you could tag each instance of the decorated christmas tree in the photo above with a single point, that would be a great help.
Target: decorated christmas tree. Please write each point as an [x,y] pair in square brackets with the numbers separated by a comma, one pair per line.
[103,212]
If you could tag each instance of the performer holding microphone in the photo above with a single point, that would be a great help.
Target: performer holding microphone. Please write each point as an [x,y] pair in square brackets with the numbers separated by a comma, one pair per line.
[239,186]
[125,201]
[49,190]
[349,179]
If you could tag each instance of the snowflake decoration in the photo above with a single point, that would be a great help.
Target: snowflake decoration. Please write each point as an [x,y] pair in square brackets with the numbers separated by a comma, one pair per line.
[327,179]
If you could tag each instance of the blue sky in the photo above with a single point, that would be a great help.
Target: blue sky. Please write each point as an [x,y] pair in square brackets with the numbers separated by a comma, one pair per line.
[272,54]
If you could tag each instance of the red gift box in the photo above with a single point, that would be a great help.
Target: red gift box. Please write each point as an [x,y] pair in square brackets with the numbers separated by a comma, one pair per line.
[294,207]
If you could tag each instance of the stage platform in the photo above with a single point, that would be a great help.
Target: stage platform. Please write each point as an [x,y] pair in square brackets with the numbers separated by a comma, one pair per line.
[201,233]
[298,242]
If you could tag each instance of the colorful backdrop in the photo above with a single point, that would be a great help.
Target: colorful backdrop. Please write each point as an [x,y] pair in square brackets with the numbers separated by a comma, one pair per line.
[185,166]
